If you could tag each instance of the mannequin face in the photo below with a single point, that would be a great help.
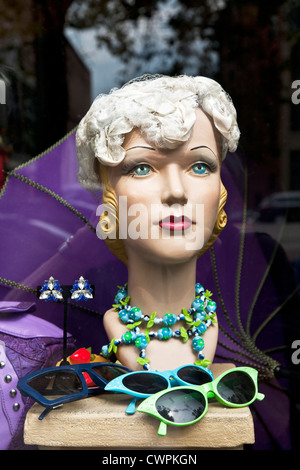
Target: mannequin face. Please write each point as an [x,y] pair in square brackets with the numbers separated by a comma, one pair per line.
[172,196]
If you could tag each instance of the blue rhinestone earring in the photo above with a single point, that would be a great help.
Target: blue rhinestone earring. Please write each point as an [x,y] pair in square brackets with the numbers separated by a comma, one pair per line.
[81,290]
[51,290]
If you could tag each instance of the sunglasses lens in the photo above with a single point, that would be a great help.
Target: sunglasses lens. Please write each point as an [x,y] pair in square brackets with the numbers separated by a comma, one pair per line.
[109,372]
[56,384]
[193,375]
[236,387]
[181,406]
[146,383]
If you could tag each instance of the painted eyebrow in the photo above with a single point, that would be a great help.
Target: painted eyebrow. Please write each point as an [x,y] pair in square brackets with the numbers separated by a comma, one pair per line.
[140,147]
[204,147]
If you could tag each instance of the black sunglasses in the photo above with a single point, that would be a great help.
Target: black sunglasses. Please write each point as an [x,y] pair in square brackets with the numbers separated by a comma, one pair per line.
[54,386]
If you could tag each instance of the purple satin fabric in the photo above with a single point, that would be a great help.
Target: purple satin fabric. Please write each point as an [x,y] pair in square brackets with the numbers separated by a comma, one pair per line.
[41,237]
[27,344]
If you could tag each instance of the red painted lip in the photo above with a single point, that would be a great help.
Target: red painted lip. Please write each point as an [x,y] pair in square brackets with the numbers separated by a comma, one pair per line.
[173,223]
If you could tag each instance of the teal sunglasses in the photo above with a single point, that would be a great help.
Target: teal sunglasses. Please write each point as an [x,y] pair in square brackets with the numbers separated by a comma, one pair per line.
[142,384]
[185,405]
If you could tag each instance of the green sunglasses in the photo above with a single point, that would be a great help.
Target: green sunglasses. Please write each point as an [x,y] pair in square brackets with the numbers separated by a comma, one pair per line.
[185,405]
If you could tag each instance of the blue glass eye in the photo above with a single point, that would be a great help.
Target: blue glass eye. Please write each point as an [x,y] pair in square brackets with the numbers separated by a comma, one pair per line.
[200,168]
[142,170]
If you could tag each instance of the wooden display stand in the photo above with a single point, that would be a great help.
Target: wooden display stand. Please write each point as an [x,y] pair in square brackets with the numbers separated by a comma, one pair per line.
[100,423]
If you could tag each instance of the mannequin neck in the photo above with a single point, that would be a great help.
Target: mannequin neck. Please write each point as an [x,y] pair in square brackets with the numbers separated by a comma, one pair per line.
[161,288]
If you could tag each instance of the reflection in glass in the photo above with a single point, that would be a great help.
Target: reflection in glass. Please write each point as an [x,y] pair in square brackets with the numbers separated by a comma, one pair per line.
[237,388]
[56,384]
[181,406]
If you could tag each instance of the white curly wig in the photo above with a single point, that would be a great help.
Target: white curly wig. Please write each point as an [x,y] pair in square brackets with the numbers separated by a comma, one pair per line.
[162,107]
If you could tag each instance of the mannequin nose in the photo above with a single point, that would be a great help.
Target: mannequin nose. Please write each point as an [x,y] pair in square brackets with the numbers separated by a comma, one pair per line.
[173,188]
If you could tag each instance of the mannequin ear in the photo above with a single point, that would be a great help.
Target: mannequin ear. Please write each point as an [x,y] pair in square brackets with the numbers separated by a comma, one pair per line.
[221,221]
[222,216]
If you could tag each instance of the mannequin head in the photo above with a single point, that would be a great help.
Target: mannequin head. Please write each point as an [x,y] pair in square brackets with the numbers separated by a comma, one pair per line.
[170,116]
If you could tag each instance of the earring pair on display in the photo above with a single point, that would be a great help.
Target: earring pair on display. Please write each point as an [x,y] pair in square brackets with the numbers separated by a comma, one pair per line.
[51,290]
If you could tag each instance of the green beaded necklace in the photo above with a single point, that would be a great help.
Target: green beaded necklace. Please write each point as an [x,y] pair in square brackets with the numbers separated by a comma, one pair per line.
[198,318]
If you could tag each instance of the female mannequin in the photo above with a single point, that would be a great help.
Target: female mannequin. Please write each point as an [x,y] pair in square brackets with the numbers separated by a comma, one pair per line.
[159,143]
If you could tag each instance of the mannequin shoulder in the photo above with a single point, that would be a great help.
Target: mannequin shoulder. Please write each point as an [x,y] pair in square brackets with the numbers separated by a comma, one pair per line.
[112,324]
[109,315]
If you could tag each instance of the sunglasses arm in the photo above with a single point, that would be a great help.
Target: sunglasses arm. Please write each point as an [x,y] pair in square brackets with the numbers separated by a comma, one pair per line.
[162,429]
[260,396]
[47,410]
[130,410]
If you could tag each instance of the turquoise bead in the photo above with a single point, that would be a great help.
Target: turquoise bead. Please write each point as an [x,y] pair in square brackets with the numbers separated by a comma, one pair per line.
[128,337]
[121,294]
[211,306]
[198,304]
[164,333]
[201,328]
[169,319]
[197,343]
[104,351]
[141,342]
[200,316]
[135,313]
[199,288]
[124,315]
